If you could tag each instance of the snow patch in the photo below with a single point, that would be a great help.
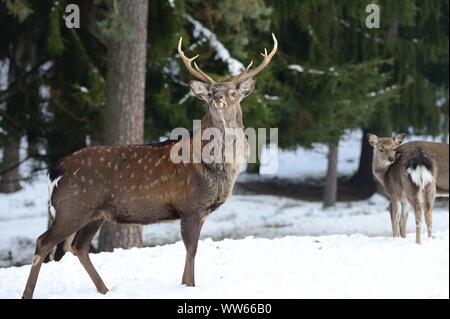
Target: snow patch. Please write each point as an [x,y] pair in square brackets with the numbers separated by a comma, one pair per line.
[234,66]
[338,266]
[296,67]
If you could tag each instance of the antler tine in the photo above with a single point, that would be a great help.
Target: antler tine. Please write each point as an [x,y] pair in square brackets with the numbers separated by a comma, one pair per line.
[206,76]
[249,66]
[247,73]
[197,72]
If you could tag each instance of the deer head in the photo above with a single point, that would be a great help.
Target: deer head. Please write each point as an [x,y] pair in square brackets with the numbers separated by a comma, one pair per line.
[224,98]
[384,149]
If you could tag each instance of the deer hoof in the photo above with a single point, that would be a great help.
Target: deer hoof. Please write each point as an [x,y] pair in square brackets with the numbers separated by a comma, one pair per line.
[103,290]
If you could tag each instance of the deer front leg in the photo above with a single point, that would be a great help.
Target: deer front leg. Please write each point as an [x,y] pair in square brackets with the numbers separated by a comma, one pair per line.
[190,232]
[395,217]
[404,219]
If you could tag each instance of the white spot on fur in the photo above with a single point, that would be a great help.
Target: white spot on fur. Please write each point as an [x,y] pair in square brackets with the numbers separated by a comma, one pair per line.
[420,176]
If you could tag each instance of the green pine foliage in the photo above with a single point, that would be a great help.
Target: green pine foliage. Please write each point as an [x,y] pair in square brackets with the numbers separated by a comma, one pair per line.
[390,79]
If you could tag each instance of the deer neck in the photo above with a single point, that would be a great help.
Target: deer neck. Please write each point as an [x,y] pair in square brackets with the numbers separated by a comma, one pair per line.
[379,169]
[232,122]
[220,126]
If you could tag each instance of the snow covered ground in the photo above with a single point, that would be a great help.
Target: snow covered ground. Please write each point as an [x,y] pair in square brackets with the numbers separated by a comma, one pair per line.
[23,217]
[296,249]
[337,266]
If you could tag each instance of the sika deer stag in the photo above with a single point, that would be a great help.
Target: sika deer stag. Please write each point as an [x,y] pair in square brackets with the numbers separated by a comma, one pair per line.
[412,174]
[140,184]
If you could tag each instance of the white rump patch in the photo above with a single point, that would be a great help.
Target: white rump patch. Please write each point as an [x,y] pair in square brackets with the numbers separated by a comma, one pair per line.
[51,185]
[420,176]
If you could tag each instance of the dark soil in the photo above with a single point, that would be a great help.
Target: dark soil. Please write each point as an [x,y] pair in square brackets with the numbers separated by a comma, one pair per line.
[310,191]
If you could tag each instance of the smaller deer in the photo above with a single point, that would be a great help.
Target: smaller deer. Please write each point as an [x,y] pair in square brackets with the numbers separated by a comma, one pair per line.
[411,174]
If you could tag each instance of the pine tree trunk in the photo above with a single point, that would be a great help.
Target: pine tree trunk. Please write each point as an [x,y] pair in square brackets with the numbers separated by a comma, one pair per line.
[125,93]
[330,191]
[364,174]
[9,182]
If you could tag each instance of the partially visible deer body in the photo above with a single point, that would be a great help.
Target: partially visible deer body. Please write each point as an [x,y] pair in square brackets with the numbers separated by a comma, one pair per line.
[412,174]
[140,184]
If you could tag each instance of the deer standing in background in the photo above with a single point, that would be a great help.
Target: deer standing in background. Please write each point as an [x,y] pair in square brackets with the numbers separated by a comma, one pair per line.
[139,184]
[412,174]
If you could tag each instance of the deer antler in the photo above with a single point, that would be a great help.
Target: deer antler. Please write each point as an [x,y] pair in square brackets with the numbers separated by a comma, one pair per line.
[247,73]
[197,72]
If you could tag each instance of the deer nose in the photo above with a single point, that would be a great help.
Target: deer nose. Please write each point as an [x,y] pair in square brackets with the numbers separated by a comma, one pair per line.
[218,97]
[391,158]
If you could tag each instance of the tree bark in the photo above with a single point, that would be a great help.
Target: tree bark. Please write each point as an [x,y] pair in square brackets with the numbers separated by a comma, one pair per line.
[10,181]
[364,174]
[330,191]
[125,93]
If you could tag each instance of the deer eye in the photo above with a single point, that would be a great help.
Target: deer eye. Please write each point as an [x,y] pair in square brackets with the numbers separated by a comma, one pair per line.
[381,150]
[233,94]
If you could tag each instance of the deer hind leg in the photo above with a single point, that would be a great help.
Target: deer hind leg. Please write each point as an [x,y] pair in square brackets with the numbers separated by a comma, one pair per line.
[44,244]
[418,215]
[430,194]
[404,219]
[80,247]
[190,232]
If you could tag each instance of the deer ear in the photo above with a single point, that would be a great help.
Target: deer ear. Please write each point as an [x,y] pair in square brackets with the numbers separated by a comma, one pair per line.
[200,89]
[399,138]
[373,139]
[246,87]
